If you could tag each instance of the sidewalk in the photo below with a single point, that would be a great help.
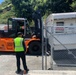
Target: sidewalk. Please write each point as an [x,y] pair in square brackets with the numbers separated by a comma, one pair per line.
[51,72]
[34,63]
[45,72]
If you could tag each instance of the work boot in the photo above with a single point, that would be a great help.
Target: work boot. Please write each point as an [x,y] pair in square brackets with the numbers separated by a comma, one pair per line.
[24,72]
[19,71]
[27,70]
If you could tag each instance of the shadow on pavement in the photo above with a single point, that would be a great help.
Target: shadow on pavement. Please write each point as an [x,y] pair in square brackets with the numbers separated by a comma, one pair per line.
[13,53]
[7,53]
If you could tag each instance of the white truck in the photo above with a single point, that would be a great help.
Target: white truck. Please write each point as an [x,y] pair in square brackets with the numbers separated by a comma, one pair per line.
[63,27]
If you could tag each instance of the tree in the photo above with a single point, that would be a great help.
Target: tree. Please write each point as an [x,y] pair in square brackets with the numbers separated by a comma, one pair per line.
[22,8]
[58,6]
[25,8]
[73,5]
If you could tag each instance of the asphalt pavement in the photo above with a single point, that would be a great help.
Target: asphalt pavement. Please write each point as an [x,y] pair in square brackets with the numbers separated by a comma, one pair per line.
[34,63]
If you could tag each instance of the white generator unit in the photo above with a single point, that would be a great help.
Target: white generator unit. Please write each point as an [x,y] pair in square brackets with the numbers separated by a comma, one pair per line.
[63,28]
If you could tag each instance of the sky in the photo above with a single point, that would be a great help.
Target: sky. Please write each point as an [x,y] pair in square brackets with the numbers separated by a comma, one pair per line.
[1,1]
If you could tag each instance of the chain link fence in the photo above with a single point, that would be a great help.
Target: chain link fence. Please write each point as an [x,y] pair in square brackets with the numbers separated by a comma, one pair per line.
[62,40]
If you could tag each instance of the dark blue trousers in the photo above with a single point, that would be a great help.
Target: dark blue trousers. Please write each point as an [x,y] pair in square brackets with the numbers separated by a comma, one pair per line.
[23,57]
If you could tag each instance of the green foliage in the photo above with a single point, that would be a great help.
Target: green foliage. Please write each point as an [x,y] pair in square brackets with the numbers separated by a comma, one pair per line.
[73,5]
[5,4]
[25,8]
[58,6]
[4,17]
[6,11]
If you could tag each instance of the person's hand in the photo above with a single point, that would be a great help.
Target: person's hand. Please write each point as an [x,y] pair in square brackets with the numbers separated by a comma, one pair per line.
[34,36]
[25,52]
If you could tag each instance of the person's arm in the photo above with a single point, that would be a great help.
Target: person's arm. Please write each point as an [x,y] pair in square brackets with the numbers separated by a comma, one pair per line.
[14,44]
[24,46]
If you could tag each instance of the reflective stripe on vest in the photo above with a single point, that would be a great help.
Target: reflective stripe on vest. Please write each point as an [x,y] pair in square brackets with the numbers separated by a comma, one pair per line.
[18,44]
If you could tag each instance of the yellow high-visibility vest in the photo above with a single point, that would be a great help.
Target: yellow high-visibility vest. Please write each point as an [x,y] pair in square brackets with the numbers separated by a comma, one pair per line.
[18,44]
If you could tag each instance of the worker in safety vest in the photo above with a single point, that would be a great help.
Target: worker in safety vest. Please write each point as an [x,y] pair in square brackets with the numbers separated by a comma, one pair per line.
[20,53]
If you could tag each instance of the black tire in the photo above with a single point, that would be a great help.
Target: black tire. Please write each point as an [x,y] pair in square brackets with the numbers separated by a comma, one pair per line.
[35,48]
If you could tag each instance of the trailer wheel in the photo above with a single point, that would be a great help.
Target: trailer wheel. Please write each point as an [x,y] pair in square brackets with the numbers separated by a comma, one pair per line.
[35,48]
